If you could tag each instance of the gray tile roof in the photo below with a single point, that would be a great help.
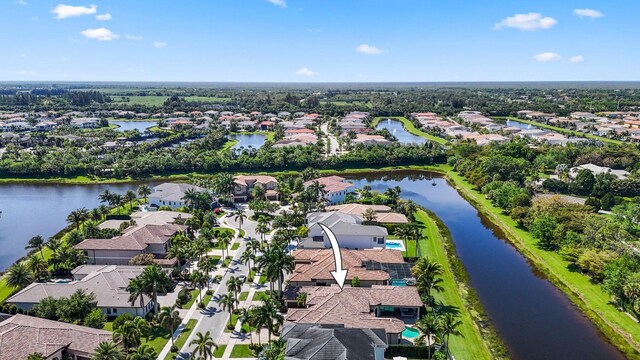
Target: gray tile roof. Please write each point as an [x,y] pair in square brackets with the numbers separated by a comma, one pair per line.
[321,342]
[173,191]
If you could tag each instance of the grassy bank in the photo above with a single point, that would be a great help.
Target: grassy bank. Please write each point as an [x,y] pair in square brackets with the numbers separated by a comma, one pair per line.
[408,125]
[476,342]
[563,130]
[619,328]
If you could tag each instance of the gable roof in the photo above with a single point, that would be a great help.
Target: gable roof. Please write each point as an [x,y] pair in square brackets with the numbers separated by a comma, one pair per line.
[331,183]
[320,342]
[136,239]
[23,335]
[345,224]
[173,191]
[108,283]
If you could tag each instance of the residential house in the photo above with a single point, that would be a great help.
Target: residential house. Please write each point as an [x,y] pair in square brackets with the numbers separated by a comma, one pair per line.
[245,183]
[383,213]
[334,188]
[348,229]
[107,283]
[171,194]
[147,239]
[595,169]
[313,267]
[85,123]
[377,307]
[21,336]
[321,342]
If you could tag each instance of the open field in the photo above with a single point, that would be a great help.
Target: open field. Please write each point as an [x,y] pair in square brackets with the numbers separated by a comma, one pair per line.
[151,100]
[408,125]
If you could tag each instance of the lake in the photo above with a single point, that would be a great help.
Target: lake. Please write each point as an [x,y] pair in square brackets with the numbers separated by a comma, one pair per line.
[133,125]
[520,125]
[254,141]
[396,129]
[534,318]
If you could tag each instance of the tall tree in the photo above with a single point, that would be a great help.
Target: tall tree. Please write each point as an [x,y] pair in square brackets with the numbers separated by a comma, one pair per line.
[108,351]
[19,276]
[36,243]
[204,345]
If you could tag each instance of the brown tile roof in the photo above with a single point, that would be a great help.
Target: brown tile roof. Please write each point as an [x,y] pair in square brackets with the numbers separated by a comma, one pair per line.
[258,179]
[353,306]
[138,238]
[317,264]
[383,212]
[23,335]
[331,183]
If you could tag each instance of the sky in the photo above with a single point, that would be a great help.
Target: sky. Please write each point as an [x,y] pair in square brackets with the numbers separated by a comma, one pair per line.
[319,40]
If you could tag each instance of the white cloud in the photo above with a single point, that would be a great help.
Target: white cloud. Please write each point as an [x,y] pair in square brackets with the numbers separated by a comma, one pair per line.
[133,37]
[104,17]
[368,49]
[21,2]
[547,56]
[305,72]
[100,34]
[159,44]
[280,3]
[63,11]
[588,13]
[526,22]
[576,59]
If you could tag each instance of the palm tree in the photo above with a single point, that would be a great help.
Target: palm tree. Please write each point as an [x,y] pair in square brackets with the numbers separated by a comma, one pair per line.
[129,196]
[240,216]
[200,280]
[204,345]
[37,265]
[428,276]
[169,319]
[116,200]
[144,191]
[128,335]
[369,215]
[262,228]
[246,258]
[267,316]
[36,243]
[258,192]
[95,214]
[206,265]
[143,352]
[105,196]
[108,350]
[76,217]
[234,286]
[224,185]
[428,325]
[224,240]
[153,277]
[228,304]
[275,263]
[449,324]
[136,291]
[19,276]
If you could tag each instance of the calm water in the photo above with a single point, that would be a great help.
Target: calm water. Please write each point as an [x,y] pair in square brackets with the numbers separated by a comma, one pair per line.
[534,318]
[254,141]
[520,125]
[29,210]
[134,125]
[396,129]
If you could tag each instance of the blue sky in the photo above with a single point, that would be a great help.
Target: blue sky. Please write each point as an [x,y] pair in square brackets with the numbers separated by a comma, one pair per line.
[319,40]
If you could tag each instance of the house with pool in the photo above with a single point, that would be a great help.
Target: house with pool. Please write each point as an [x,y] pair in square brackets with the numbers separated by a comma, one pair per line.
[391,308]
[349,231]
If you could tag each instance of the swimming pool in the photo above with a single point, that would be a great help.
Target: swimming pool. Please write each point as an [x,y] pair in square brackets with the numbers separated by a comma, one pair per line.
[396,245]
[410,333]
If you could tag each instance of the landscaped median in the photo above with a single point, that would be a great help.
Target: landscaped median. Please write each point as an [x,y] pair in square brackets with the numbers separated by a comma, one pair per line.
[476,342]
[621,330]
[408,125]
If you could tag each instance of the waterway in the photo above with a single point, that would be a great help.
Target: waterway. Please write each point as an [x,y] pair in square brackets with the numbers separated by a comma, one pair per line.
[248,141]
[534,319]
[397,129]
[133,125]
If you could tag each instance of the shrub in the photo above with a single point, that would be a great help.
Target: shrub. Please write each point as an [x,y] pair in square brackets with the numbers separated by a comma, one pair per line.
[201,305]
[209,292]
[95,319]
[121,319]
[183,297]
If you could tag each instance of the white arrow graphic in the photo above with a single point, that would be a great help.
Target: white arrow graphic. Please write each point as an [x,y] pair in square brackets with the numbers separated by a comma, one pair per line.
[340,275]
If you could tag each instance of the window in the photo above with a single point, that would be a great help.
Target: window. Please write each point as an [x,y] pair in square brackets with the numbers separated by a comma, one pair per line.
[115,311]
[108,311]
[379,240]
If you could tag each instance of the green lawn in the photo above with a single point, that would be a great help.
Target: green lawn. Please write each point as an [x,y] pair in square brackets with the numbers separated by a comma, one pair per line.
[207,99]
[150,100]
[564,131]
[243,296]
[235,246]
[471,345]
[182,338]
[408,125]
[260,295]
[108,326]
[219,351]
[157,339]
[241,351]
[194,298]
[618,327]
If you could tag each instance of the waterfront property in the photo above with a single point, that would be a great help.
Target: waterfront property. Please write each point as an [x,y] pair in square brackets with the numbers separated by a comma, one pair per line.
[382,213]
[349,231]
[315,342]
[171,194]
[245,183]
[371,267]
[377,307]
[148,239]
[107,283]
[21,336]
[334,188]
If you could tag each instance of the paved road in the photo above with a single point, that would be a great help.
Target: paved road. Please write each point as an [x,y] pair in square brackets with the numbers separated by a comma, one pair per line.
[333,142]
[213,319]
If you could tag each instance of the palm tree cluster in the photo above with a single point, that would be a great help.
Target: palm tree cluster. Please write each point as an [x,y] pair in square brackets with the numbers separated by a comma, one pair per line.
[410,232]
[264,316]
[440,322]
[200,200]
[152,281]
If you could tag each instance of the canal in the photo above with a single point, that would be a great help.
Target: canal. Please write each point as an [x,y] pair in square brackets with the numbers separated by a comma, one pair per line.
[534,318]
